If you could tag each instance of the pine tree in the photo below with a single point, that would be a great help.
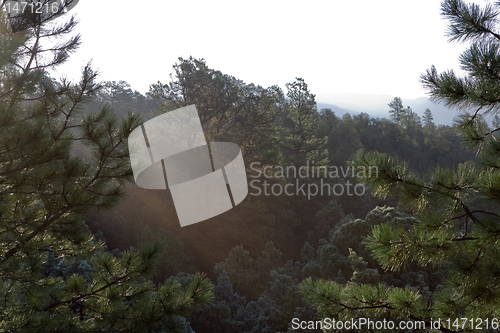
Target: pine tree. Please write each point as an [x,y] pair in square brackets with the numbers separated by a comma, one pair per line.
[397,109]
[361,273]
[229,109]
[428,118]
[54,275]
[410,120]
[456,211]
[300,126]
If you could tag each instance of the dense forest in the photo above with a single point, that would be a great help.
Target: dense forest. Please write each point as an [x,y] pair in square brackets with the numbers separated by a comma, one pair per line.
[85,249]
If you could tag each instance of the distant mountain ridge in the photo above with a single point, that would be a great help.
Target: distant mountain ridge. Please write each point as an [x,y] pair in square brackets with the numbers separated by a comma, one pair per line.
[376,106]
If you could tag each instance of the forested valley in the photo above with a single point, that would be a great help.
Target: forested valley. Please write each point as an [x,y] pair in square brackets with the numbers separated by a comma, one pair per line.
[258,254]
[85,249]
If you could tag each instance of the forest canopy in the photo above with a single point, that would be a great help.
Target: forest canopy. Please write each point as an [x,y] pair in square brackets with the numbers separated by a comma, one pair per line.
[85,249]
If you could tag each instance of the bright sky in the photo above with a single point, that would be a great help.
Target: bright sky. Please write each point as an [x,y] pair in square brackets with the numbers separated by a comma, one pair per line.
[337,46]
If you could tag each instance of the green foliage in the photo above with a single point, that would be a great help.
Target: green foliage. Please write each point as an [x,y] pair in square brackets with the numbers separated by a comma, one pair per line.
[300,127]
[479,89]
[122,99]
[422,147]
[361,273]
[229,109]
[397,109]
[428,118]
[248,274]
[455,211]
[54,276]
[370,301]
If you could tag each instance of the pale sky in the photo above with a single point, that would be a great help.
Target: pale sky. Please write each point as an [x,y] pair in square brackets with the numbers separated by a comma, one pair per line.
[364,46]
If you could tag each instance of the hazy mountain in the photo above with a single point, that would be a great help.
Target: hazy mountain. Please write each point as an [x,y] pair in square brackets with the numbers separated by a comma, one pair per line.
[339,112]
[376,106]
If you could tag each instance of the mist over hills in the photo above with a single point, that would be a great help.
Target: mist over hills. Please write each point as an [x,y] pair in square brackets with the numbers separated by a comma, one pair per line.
[376,106]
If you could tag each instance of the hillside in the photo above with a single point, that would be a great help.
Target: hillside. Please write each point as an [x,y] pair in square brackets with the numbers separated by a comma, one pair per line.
[376,106]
